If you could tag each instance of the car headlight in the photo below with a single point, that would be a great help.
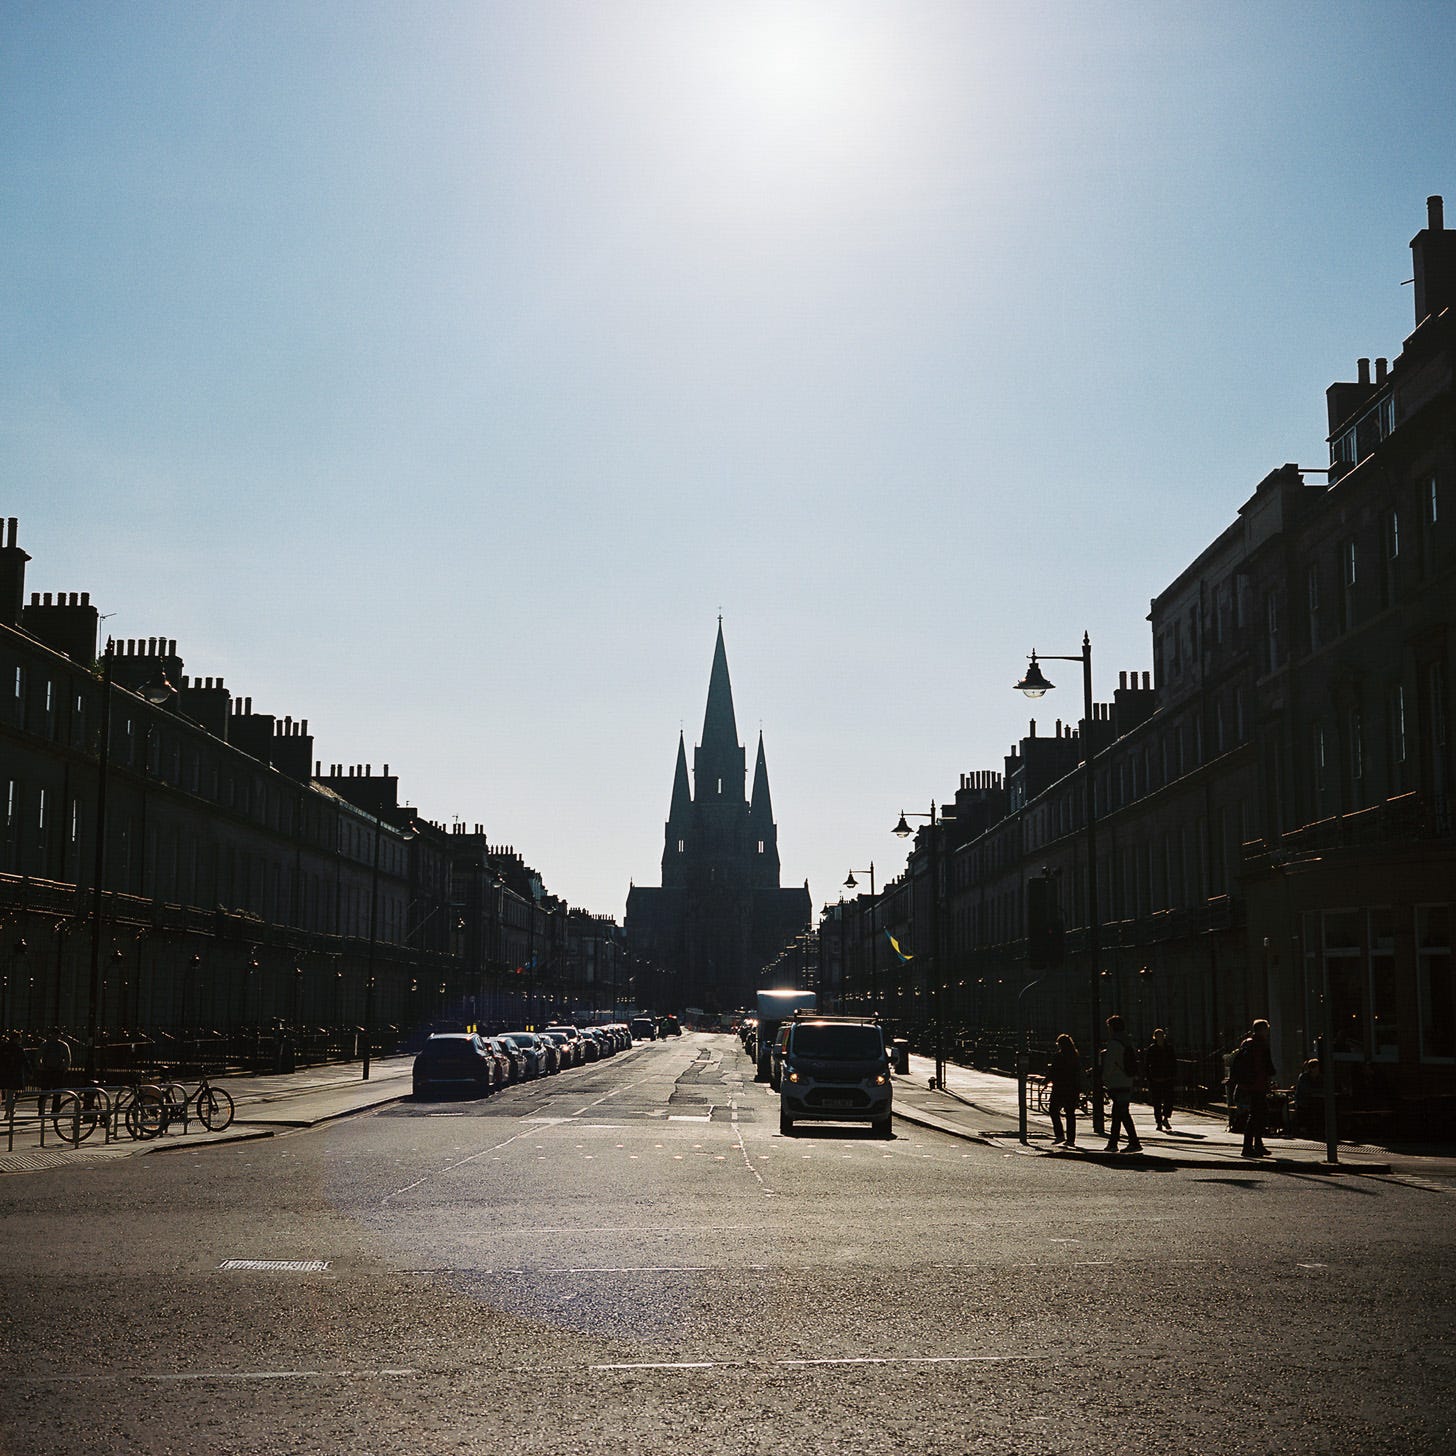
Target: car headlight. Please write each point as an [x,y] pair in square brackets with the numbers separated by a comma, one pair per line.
[880,1079]
[793,1076]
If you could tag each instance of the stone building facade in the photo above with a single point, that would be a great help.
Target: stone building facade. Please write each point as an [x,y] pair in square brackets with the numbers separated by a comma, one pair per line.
[1273,808]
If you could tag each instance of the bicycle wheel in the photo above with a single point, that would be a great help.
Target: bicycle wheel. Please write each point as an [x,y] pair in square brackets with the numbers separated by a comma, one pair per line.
[146,1116]
[214,1107]
[74,1121]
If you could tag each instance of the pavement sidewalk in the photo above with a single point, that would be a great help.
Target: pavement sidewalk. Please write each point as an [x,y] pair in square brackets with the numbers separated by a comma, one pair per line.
[265,1106]
[982,1106]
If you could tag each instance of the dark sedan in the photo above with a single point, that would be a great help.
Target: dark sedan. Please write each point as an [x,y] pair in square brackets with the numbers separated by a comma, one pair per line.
[455,1061]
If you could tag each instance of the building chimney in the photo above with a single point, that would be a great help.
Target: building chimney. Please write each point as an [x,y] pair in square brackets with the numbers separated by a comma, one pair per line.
[12,575]
[1433,254]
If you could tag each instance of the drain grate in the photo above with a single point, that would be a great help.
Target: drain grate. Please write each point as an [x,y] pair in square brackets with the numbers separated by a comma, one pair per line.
[288,1266]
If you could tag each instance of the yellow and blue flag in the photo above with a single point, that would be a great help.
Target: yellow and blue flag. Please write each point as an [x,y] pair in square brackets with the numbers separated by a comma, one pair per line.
[895,946]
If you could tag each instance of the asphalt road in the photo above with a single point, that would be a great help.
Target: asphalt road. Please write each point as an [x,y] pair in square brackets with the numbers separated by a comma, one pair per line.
[629,1257]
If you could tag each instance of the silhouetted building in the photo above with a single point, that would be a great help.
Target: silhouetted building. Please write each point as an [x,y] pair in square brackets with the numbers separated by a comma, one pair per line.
[720,914]
[1274,810]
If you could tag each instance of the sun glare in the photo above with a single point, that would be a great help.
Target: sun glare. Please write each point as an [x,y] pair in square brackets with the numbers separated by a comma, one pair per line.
[799,66]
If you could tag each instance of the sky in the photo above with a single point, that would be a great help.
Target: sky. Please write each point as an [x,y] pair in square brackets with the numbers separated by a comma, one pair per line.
[439,372]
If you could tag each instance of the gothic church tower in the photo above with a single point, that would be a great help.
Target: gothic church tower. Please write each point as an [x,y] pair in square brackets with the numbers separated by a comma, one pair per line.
[720,914]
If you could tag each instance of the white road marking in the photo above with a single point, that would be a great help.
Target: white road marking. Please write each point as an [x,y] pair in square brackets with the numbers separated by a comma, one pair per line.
[117,1376]
[799,1364]
[738,1134]
[459,1163]
[612,1269]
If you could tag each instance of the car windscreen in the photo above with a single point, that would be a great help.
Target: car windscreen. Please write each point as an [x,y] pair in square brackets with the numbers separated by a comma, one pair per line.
[832,1043]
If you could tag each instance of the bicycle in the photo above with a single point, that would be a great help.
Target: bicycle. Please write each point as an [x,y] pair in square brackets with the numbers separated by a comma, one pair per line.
[1042,1096]
[149,1110]
[78,1112]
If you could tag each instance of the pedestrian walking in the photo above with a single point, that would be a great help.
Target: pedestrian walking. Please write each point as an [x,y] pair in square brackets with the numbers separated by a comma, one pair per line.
[53,1066]
[1065,1075]
[1119,1069]
[1160,1071]
[1251,1069]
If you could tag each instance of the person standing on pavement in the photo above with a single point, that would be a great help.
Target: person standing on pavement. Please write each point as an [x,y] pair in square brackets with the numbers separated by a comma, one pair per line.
[1160,1069]
[1065,1076]
[1117,1078]
[1251,1069]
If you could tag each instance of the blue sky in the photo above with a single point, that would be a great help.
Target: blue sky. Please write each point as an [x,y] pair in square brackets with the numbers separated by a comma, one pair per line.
[439,372]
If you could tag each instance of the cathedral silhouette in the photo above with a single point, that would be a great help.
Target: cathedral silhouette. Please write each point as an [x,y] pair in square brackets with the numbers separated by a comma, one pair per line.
[720,914]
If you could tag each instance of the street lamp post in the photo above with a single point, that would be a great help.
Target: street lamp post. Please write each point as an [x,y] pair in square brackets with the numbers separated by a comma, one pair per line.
[853,884]
[103,763]
[1035,685]
[938,987]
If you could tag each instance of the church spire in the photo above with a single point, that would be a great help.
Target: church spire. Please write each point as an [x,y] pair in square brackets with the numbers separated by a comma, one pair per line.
[720,728]
[761,806]
[719,770]
[682,794]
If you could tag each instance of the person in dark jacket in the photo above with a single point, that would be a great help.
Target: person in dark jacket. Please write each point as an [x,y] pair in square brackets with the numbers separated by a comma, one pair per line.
[1251,1070]
[1065,1075]
[1160,1070]
[1118,1077]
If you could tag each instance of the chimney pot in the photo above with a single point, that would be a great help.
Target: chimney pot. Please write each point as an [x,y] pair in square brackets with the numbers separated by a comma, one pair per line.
[1381,365]
[1435,220]
[1363,365]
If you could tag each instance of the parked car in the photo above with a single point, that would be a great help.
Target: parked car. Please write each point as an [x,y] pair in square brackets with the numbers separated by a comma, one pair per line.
[776,1056]
[556,1058]
[567,1050]
[512,1058]
[578,1051]
[534,1051]
[455,1061]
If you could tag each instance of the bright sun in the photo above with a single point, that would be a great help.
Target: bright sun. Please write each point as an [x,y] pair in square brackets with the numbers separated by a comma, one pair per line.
[796,65]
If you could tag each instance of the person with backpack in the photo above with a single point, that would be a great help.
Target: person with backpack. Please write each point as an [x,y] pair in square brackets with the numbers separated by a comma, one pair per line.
[1119,1072]
[1251,1069]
